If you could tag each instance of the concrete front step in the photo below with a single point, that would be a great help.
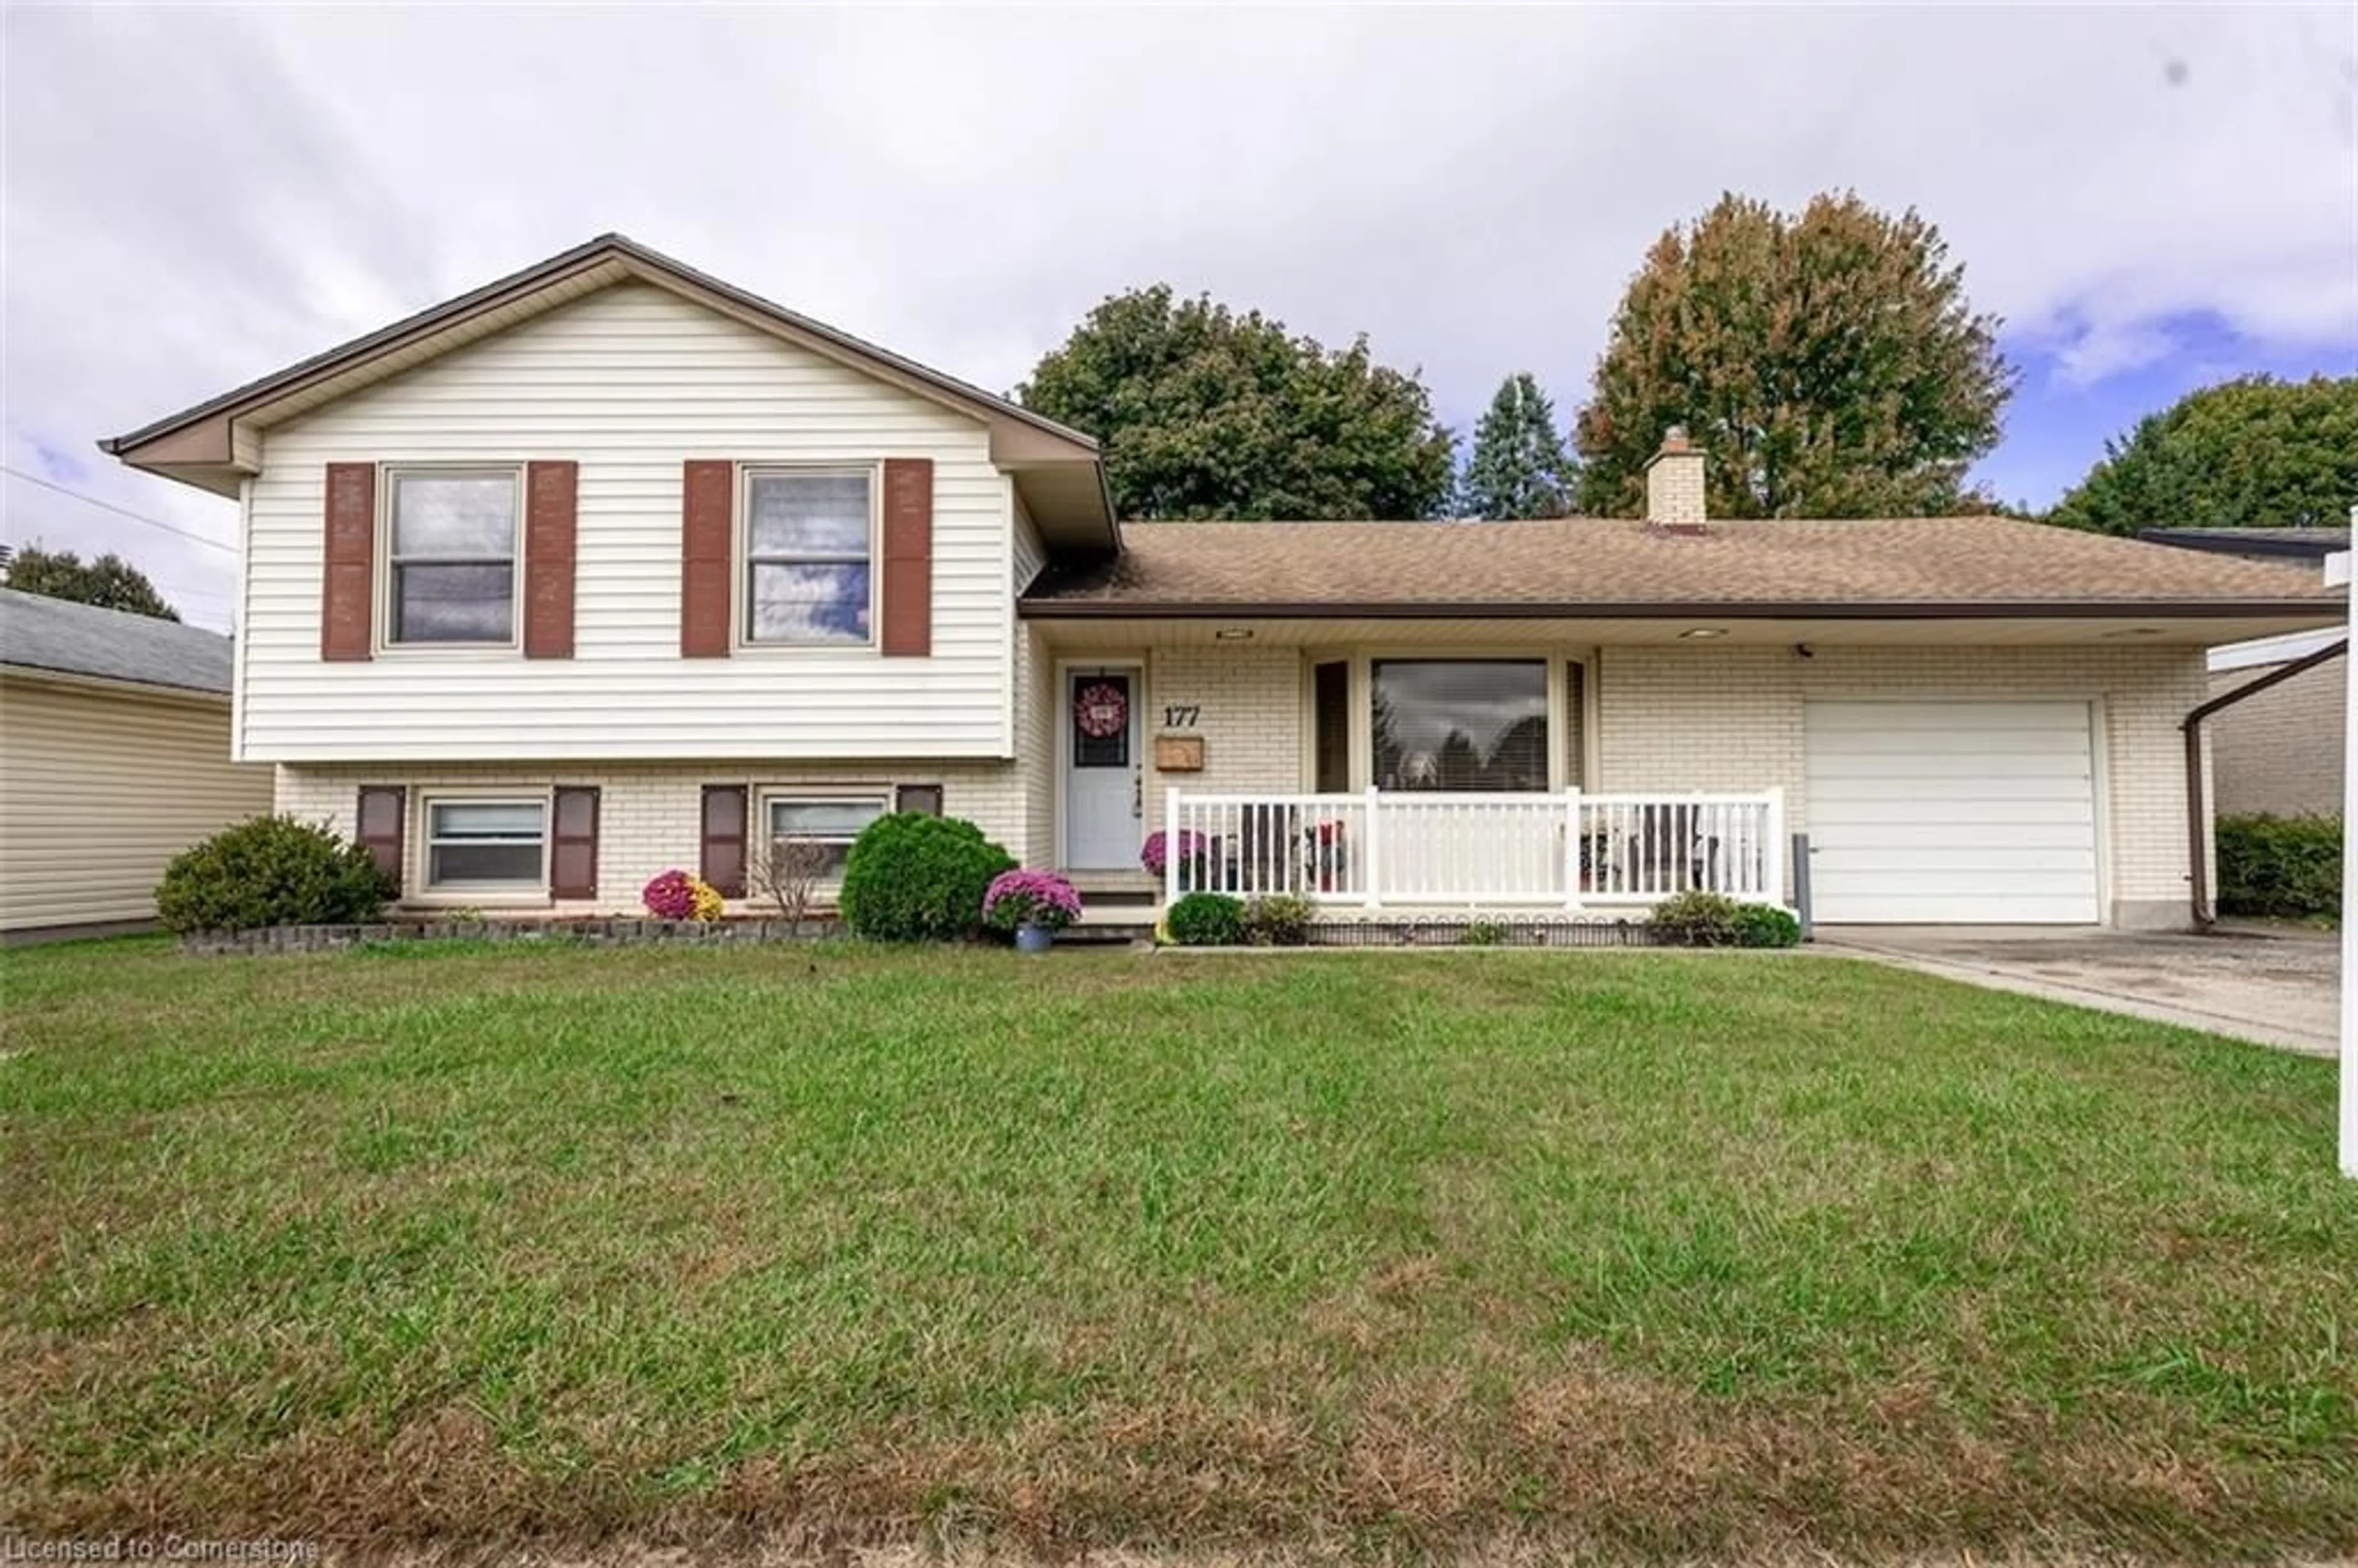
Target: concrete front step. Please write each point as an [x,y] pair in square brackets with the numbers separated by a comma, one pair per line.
[1130,895]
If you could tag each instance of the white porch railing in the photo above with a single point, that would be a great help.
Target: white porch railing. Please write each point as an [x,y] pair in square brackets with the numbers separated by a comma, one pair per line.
[1571,850]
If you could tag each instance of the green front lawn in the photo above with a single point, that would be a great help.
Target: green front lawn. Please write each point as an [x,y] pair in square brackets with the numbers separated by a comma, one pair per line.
[1656,1254]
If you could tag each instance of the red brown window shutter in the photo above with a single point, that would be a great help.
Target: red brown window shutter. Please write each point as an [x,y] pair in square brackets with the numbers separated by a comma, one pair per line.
[908,556]
[549,532]
[706,531]
[348,588]
[573,842]
[382,814]
[722,862]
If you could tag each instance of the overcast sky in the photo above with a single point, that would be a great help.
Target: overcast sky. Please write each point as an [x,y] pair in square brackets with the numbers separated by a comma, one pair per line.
[2152,198]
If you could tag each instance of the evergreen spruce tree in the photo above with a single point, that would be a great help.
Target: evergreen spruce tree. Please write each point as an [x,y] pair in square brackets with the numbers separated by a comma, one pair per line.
[1521,466]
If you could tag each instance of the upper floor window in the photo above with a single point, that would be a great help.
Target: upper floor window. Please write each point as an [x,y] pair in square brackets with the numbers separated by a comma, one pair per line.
[451,559]
[808,542]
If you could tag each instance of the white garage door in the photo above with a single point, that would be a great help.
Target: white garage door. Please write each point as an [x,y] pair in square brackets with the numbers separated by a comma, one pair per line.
[1937,812]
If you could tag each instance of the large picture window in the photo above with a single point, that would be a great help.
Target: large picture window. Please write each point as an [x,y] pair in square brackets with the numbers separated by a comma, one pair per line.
[1460,724]
[808,540]
[492,846]
[450,557]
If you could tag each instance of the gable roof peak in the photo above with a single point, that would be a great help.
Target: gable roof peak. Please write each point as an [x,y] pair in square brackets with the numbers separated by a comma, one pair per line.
[199,444]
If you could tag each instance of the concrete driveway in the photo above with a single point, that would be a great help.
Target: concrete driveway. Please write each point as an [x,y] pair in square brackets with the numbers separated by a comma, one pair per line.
[2279,988]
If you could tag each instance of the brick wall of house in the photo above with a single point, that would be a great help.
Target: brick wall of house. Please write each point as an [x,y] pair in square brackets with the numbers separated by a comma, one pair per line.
[648,814]
[1252,714]
[1036,717]
[1669,719]
[1731,719]
[2279,751]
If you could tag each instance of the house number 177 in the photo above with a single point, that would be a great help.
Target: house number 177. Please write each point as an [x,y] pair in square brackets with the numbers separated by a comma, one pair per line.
[1176,715]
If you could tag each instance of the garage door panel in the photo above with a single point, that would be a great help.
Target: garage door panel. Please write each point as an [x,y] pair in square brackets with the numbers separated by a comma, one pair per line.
[1949,909]
[1948,786]
[1964,871]
[1938,719]
[2066,746]
[2072,861]
[1933,813]
[1851,818]
[1991,763]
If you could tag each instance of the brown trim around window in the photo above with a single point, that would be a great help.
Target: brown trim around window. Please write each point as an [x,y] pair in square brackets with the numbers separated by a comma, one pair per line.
[707,531]
[720,858]
[573,841]
[380,821]
[551,501]
[348,582]
[908,567]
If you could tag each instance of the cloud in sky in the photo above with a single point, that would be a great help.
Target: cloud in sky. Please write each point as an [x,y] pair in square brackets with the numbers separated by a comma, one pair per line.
[195,197]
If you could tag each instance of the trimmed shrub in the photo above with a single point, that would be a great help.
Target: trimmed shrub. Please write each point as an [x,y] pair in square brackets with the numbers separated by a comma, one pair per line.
[1030,898]
[1208,920]
[1701,919]
[1696,919]
[2289,867]
[1766,926]
[915,878]
[681,895]
[1277,920]
[271,870]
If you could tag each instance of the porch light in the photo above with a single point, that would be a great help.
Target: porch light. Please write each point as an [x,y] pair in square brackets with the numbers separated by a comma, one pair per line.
[1697,633]
[1233,634]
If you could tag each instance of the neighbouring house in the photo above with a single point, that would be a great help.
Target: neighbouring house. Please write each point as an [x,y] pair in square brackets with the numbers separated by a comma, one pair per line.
[610,567]
[114,756]
[2279,750]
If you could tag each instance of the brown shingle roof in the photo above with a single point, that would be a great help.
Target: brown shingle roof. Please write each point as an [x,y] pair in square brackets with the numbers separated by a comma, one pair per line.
[1587,565]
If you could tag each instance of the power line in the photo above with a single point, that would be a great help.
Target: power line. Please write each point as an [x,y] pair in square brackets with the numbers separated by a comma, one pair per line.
[118,511]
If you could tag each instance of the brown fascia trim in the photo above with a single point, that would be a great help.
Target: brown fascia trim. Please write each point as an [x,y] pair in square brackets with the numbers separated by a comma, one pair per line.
[539,275]
[1052,608]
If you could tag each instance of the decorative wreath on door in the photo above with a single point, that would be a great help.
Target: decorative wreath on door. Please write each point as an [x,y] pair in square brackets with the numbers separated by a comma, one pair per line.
[1101,711]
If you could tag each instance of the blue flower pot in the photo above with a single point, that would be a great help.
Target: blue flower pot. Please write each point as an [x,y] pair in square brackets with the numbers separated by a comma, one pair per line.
[1034,938]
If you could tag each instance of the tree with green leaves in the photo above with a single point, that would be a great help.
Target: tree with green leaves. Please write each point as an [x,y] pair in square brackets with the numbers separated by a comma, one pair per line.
[2251,453]
[1521,467]
[1827,363]
[1208,413]
[110,582]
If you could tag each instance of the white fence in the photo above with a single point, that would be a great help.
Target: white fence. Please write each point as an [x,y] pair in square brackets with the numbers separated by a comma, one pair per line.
[1572,849]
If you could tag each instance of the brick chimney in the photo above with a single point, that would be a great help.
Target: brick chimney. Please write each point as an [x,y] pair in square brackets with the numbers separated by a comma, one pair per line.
[1674,486]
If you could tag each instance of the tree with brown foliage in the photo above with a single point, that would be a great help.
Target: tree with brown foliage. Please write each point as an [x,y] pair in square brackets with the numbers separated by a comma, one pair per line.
[1828,363]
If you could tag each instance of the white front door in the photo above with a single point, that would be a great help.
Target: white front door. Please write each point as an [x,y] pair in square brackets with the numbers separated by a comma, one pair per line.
[1101,769]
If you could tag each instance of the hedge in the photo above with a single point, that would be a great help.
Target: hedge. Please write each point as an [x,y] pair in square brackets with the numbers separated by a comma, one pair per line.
[2287,867]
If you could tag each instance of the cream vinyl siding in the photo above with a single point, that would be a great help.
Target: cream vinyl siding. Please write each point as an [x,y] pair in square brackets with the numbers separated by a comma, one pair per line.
[630,383]
[99,786]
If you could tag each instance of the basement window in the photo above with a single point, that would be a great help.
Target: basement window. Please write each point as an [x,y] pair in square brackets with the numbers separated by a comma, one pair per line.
[832,821]
[486,845]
